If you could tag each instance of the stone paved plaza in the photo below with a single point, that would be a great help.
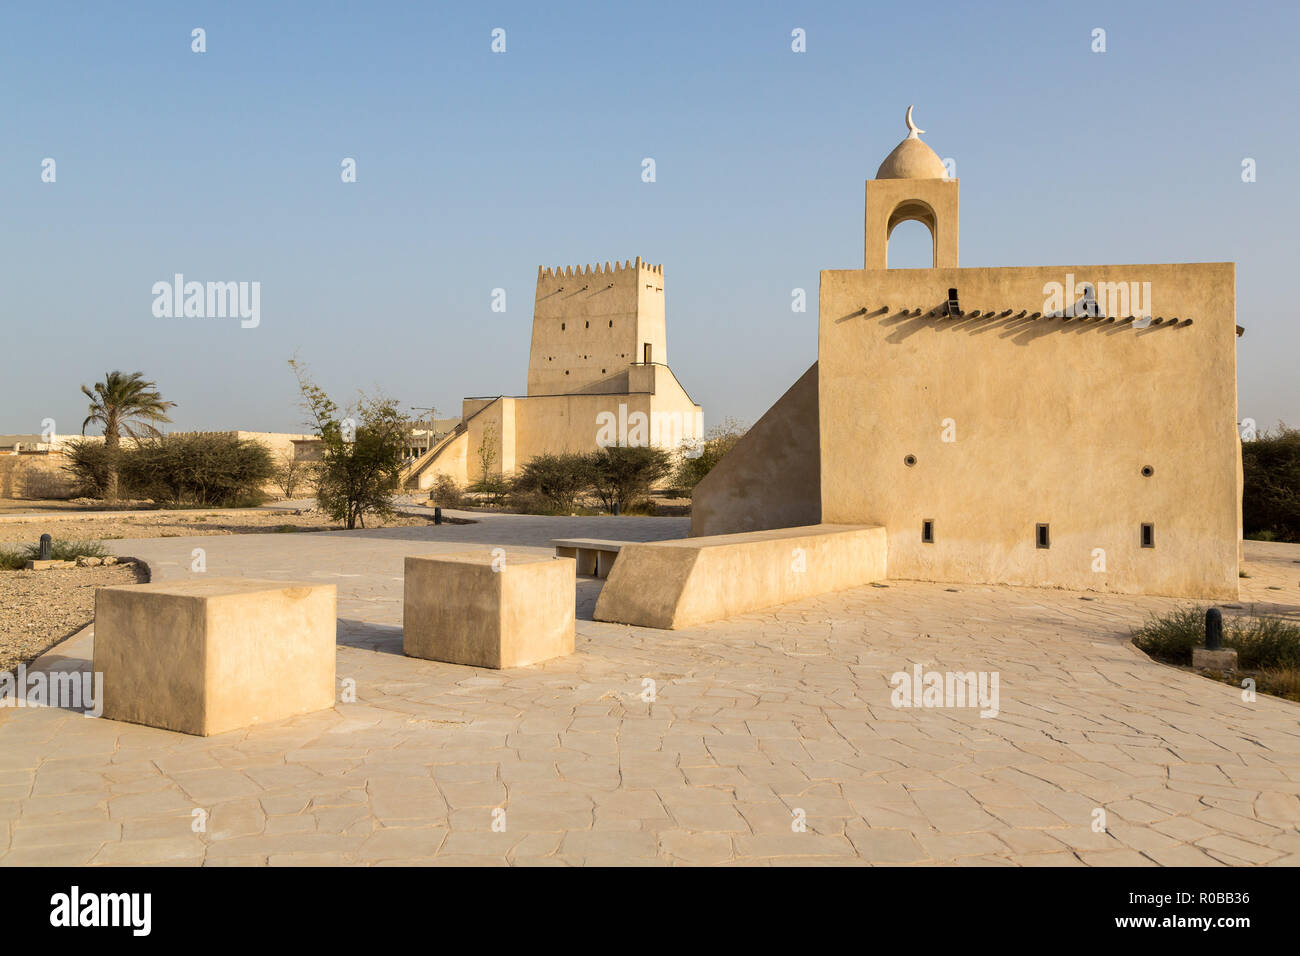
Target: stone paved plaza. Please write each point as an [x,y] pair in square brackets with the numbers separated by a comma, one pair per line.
[756,721]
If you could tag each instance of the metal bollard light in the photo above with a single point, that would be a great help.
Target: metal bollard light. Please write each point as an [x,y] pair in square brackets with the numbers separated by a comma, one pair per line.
[616,509]
[1213,629]
[437,515]
[45,547]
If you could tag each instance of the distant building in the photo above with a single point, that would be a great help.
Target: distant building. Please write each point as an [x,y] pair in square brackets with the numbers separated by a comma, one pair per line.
[279,444]
[598,374]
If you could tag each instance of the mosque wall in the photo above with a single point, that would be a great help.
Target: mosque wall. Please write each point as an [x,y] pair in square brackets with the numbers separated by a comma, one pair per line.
[987,427]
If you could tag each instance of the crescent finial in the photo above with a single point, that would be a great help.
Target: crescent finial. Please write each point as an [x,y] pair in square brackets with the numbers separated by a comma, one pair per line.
[912,130]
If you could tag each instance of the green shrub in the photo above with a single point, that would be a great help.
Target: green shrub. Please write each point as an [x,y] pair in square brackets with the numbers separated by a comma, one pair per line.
[253,498]
[61,549]
[1260,642]
[89,463]
[292,475]
[1171,637]
[1271,485]
[532,503]
[624,475]
[694,463]
[1265,642]
[362,452]
[197,470]
[447,492]
[558,480]
[69,550]
[496,488]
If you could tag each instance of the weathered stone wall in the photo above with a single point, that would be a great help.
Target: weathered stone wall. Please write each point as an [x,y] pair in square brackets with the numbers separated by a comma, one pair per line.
[35,476]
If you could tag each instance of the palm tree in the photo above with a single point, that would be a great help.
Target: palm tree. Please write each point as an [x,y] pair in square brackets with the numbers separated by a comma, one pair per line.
[124,403]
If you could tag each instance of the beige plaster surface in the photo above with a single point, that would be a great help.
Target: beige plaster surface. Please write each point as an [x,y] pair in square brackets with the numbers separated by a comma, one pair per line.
[593,321]
[657,412]
[891,201]
[750,720]
[772,477]
[1015,421]
[675,584]
[208,655]
[448,457]
[488,610]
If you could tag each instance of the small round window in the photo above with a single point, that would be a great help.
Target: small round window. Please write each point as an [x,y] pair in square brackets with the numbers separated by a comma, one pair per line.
[1147,471]
[909,461]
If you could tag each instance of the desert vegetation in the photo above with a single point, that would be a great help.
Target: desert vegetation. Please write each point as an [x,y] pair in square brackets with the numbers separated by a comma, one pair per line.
[123,404]
[176,471]
[691,469]
[1268,648]
[614,478]
[61,549]
[1271,492]
[364,448]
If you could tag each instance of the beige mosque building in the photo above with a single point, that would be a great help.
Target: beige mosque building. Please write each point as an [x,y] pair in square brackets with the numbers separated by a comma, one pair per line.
[1067,426]
[598,374]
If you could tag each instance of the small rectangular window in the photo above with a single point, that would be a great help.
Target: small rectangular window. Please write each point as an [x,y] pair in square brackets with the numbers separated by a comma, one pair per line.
[1043,536]
[1148,535]
[927,531]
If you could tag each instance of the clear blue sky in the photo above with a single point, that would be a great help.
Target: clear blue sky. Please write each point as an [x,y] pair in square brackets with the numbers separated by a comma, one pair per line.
[475,167]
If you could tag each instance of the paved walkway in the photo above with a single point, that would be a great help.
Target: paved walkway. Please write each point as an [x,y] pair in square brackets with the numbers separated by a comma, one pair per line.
[758,724]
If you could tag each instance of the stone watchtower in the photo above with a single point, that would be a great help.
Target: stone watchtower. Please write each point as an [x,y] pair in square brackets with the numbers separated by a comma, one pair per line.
[592,322]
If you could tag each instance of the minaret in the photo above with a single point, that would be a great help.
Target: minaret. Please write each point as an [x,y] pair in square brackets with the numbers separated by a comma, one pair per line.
[912,183]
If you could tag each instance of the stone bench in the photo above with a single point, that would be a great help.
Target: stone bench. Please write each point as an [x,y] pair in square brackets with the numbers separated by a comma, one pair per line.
[689,581]
[208,655]
[488,610]
[595,557]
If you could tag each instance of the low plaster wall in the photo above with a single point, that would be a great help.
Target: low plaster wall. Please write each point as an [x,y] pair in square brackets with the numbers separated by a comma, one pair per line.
[674,584]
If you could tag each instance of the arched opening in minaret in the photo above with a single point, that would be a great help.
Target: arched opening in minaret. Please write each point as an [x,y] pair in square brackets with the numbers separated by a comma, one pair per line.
[911,246]
[910,236]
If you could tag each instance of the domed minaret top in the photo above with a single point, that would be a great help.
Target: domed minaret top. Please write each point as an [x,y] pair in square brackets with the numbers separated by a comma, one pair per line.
[912,159]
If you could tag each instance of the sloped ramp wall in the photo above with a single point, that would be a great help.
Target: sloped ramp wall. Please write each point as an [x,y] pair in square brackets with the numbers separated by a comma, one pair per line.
[772,478]
[689,581]
[449,457]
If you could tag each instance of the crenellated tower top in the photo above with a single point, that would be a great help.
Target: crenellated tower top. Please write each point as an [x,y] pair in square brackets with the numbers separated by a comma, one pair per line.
[592,321]
[589,270]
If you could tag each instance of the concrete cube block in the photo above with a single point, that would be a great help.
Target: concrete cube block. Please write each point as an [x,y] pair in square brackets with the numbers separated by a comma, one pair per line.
[207,655]
[472,608]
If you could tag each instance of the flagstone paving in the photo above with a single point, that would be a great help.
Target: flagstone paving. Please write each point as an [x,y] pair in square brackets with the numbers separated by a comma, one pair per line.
[750,727]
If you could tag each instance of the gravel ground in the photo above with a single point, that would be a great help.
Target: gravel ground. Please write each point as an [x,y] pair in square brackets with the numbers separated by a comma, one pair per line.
[165,524]
[32,505]
[40,608]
